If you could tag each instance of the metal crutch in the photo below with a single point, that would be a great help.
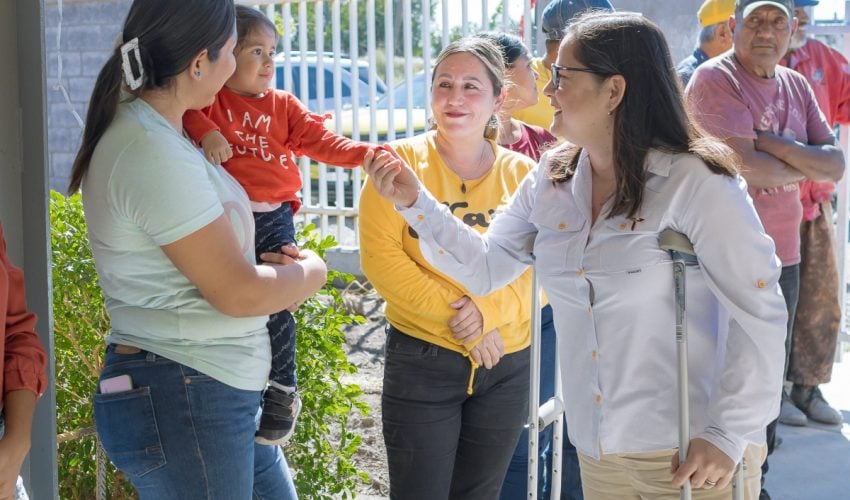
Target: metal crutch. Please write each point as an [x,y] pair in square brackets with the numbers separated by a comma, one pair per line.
[681,251]
[550,412]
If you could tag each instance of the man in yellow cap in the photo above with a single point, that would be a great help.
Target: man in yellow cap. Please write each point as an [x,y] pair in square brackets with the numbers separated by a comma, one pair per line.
[715,37]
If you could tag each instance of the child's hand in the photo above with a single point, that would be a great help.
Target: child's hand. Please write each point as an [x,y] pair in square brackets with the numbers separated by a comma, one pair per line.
[216,148]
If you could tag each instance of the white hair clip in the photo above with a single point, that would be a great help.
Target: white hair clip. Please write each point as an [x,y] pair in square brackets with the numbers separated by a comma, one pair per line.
[132,81]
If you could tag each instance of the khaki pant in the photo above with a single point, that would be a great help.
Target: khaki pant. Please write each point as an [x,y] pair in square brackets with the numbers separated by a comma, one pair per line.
[646,476]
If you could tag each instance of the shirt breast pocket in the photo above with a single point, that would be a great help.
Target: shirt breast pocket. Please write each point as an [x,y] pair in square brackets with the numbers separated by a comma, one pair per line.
[560,241]
[631,243]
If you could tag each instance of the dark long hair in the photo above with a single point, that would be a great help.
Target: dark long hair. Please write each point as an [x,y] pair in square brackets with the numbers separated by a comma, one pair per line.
[171,33]
[652,113]
[249,19]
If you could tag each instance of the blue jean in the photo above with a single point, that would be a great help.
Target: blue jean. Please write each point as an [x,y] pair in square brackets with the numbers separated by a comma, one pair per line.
[20,493]
[180,434]
[272,231]
[443,443]
[516,480]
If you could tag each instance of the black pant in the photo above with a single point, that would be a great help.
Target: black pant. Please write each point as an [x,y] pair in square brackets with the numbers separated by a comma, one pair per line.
[273,230]
[789,282]
[443,443]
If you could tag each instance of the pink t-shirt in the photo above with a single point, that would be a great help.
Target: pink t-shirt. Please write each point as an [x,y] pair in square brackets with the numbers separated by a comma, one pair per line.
[533,142]
[729,101]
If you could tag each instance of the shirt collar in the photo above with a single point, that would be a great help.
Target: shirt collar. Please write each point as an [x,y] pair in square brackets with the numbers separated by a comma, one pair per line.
[658,163]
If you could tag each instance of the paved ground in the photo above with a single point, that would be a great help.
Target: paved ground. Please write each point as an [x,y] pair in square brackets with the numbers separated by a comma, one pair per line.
[813,462]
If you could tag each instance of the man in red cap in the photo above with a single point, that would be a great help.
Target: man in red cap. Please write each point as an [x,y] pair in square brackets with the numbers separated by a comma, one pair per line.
[818,318]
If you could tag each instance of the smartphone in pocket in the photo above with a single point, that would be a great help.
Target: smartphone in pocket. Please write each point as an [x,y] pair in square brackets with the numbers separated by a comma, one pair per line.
[119,383]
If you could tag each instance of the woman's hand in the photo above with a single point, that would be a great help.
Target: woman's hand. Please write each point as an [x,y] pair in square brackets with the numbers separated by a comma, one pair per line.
[489,351]
[291,255]
[468,324]
[216,148]
[706,466]
[391,176]
[280,259]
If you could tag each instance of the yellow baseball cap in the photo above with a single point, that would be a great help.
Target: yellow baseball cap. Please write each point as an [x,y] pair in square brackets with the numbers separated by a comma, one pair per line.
[715,11]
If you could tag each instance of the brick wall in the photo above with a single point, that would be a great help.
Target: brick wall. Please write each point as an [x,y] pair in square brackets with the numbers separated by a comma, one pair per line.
[89,30]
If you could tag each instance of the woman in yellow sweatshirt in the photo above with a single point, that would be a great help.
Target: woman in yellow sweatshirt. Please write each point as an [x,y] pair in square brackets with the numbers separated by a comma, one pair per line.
[455,394]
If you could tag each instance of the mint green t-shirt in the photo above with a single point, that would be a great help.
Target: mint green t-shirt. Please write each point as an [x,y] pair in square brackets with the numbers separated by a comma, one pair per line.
[148,186]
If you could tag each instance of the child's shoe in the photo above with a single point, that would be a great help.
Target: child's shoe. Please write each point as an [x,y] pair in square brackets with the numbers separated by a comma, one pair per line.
[280,410]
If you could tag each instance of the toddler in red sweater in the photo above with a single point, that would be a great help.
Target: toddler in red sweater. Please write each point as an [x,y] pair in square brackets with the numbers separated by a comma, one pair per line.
[254,131]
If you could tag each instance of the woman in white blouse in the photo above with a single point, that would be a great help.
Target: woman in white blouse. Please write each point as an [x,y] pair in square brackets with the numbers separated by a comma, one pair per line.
[590,215]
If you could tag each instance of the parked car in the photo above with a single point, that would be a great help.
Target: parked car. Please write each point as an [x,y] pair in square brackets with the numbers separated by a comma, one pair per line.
[399,113]
[419,83]
[347,79]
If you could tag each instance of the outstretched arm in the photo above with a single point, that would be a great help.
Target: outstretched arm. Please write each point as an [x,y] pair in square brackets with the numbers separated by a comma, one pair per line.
[481,263]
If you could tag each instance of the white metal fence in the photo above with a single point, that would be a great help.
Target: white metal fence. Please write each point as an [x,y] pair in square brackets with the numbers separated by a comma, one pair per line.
[413,34]
[324,39]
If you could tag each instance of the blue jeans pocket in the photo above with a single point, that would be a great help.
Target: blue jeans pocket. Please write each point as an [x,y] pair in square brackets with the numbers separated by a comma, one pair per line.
[127,428]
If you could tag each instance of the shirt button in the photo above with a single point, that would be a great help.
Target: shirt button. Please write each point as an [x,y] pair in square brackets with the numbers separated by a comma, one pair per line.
[580,271]
[622,226]
[594,354]
[441,252]
[761,284]
[562,226]
[589,310]
[598,399]
[420,217]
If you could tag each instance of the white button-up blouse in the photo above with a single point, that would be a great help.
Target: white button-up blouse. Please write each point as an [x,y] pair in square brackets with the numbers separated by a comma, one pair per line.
[611,288]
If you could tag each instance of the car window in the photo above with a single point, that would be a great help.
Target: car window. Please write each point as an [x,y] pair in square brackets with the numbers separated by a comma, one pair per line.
[419,83]
[380,86]
[345,76]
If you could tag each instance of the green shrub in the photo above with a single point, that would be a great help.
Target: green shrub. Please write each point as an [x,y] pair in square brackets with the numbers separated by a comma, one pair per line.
[80,323]
[323,446]
[321,450]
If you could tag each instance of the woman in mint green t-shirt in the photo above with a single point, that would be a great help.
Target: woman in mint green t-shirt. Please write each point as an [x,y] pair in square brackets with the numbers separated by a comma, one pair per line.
[172,238]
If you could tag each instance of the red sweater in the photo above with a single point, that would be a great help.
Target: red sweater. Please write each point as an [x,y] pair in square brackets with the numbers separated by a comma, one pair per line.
[23,358]
[265,134]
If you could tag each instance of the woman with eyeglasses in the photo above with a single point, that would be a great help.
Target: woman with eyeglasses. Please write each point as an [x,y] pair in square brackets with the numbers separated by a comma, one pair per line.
[588,218]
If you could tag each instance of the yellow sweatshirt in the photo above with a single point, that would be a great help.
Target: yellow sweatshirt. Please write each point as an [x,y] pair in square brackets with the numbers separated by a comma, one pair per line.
[417,295]
[540,114]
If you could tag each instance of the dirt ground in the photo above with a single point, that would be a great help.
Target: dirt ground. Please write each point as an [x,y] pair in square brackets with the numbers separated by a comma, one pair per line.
[365,349]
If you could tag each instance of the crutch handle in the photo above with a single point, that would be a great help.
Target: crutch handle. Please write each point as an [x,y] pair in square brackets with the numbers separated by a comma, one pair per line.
[549,411]
[674,241]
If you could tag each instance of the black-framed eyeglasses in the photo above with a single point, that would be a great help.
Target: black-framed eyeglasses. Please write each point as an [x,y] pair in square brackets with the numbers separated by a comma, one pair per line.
[556,75]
